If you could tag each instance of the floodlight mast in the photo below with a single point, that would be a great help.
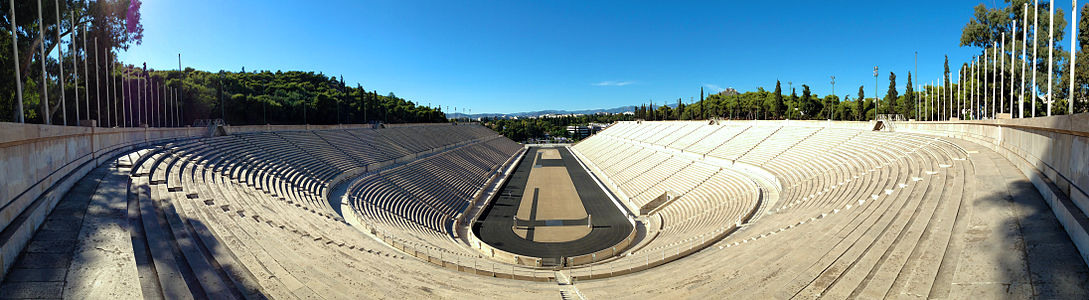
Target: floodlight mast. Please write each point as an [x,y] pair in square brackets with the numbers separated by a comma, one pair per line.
[876,100]
[832,111]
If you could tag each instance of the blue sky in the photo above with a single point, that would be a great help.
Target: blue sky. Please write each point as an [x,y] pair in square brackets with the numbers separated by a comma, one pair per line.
[511,56]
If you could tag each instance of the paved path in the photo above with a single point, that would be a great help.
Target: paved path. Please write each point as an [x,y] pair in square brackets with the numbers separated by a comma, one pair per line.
[83,249]
[1012,245]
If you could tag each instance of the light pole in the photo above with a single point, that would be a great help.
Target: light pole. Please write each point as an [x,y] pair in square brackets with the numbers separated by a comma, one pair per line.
[876,100]
[832,111]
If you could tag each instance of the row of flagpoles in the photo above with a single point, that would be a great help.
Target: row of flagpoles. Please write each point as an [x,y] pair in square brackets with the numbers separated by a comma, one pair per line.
[967,103]
[143,100]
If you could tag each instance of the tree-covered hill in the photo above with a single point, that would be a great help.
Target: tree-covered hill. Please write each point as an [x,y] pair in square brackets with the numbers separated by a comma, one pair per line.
[291,97]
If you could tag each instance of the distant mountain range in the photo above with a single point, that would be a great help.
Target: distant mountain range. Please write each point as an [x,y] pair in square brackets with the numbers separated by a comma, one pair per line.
[538,113]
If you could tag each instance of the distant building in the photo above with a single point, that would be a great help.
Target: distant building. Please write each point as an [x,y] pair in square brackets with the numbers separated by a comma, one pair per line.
[580,132]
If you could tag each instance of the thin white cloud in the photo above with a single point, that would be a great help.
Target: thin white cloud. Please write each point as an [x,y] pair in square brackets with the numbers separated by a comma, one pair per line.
[714,88]
[614,83]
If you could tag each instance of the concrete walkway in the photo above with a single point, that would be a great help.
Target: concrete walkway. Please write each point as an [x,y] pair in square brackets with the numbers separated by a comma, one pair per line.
[1012,246]
[83,249]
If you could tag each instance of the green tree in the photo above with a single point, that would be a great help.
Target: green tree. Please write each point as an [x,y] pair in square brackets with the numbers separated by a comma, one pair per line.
[1081,75]
[858,108]
[107,21]
[986,26]
[809,105]
[907,106]
[891,95]
[774,104]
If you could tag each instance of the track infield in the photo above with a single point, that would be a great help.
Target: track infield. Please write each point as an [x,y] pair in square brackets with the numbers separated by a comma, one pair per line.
[545,207]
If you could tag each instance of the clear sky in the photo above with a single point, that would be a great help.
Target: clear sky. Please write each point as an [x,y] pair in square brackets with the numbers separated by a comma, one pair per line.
[512,56]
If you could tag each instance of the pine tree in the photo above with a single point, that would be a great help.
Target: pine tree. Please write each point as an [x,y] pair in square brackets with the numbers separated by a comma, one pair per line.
[701,116]
[907,108]
[946,74]
[807,104]
[776,107]
[892,95]
[861,102]
[679,111]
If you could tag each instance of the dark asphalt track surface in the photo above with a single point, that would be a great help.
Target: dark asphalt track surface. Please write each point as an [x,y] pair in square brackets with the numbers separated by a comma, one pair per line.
[494,225]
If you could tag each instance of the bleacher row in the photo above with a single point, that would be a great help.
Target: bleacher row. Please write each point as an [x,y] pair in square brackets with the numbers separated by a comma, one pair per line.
[855,214]
[418,202]
[707,200]
[241,215]
[859,195]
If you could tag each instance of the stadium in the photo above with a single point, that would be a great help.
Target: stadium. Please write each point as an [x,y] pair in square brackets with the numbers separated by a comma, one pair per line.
[762,208]
[189,184]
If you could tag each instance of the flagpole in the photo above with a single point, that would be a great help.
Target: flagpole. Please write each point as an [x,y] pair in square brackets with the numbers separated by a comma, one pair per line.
[1024,60]
[1001,75]
[1035,44]
[1013,56]
[994,80]
[1073,52]
[98,94]
[75,68]
[15,57]
[60,63]
[86,75]
[960,93]
[1050,55]
[126,107]
[106,72]
[45,82]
